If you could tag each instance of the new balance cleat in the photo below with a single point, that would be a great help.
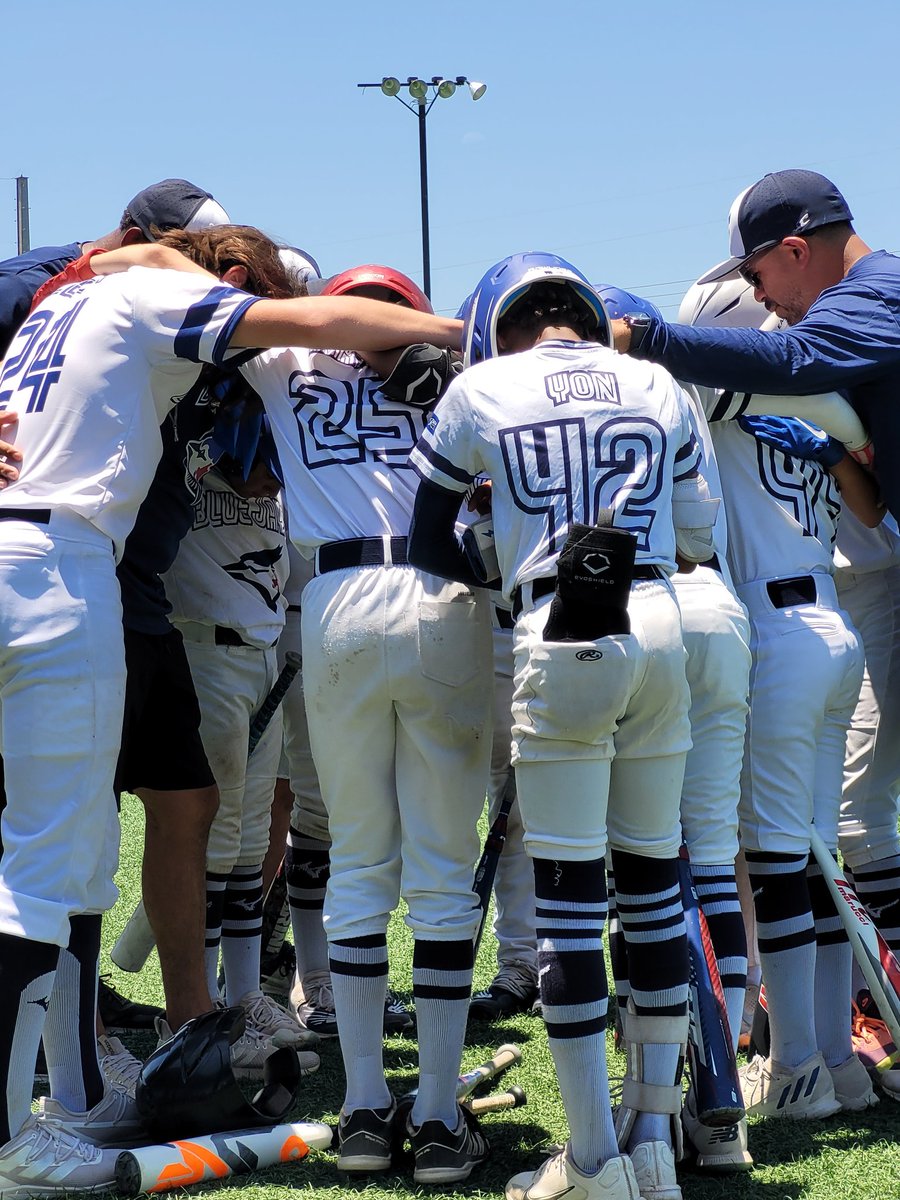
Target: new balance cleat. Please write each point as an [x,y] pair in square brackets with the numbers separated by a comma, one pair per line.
[802,1093]
[559,1176]
[654,1169]
[446,1155]
[44,1159]
[720,1151]
[120,1067]
[367,1139]
[114,1121]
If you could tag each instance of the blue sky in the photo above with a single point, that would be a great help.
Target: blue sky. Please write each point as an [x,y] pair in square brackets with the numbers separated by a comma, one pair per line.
[615,135]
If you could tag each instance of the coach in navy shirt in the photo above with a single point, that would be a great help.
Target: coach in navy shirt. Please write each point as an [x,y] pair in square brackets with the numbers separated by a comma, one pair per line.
[793,241]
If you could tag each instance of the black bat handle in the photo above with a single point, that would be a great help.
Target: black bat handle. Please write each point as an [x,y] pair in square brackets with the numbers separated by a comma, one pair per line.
[267,709]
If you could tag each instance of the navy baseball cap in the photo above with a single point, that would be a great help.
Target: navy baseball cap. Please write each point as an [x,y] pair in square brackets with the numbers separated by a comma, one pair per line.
[782,204]
[176,204]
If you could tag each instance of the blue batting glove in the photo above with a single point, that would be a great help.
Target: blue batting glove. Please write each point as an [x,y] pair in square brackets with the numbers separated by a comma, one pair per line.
[795,437]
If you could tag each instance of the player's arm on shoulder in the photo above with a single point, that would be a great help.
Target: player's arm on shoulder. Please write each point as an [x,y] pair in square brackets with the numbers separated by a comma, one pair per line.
[148,254]
[434,545]
[342,323]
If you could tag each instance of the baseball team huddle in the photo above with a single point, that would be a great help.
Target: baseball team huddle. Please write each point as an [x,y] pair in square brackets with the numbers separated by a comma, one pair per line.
[636,581]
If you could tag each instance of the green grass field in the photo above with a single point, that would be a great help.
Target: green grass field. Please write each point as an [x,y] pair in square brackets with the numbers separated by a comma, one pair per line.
[844,1158]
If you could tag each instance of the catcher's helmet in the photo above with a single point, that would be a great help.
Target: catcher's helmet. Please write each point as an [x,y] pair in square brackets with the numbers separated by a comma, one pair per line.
[372,275]
[618,302]
[506,282]
[727,304]
[187,1085]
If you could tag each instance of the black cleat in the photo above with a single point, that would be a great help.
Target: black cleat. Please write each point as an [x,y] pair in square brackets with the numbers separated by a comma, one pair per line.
[447,1155]
[118,1012]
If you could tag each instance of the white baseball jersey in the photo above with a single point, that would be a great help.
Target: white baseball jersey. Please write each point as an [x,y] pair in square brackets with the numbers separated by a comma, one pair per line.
[861,550]
[709,468]
[232,565]
[121,349]
[784,510]
[328,414]
[592,430]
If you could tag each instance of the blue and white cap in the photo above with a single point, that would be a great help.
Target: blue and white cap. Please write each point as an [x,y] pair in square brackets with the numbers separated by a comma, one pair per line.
[175,204]
[782,204]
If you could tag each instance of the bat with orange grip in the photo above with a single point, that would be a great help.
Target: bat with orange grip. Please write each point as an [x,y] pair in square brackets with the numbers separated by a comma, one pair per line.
[216,1156]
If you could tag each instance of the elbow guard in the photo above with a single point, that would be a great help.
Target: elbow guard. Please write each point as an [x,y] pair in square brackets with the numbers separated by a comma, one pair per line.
[694,514]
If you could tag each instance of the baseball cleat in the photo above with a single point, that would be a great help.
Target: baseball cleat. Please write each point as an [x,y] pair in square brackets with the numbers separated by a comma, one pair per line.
[654,1170]
[113,1121]
[874,1046]
[852,1085]
[44,1159]
[719,1151]
[802,1093]
[269,1018]
[513,990]
[446,1155]
[117,1012]
[367,1139]
[121,1069]
[559,1176]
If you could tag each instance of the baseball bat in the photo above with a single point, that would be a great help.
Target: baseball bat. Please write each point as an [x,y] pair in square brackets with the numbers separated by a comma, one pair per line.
[876,959]
[514,1097]
[486,871]
[133,945]
[470,1080]
[713,1066]
[216,1156]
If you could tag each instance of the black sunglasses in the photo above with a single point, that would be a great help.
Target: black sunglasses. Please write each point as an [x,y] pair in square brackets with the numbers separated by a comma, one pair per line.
[747,273]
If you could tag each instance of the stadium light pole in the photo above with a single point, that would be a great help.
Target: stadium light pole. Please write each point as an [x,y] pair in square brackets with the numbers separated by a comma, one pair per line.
[424,93]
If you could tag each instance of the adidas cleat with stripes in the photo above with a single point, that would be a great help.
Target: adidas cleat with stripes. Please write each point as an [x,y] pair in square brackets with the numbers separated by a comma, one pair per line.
[802,1093]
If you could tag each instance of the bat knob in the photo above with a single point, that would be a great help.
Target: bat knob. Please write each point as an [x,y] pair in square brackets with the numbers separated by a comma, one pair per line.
[518,1094]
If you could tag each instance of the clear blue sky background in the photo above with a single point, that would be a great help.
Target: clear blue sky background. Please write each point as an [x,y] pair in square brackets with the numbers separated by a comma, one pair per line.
[615,135]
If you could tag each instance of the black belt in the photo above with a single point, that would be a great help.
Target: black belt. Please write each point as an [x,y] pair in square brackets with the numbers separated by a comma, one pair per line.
[504,617]
[360,552]
[40,516]
[788,593]
[543,587]
[229,637]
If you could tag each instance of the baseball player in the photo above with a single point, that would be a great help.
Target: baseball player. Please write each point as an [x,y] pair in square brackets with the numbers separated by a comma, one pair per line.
[226,588]
[716,636]
[586,457]
[81,401]
[783,514]
[394,664]
[867,578]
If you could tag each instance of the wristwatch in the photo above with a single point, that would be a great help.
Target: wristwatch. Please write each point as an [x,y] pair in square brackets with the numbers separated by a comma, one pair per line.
[638,323]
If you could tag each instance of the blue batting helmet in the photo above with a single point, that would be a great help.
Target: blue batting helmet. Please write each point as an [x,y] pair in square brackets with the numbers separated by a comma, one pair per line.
[618,302]
[506,282]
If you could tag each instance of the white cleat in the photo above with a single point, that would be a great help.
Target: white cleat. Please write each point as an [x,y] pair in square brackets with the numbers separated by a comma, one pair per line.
[559,1176]
[720,1151]
[275,1022]
[852,1086]
[44,1159]
[654,1169]
[802,1093]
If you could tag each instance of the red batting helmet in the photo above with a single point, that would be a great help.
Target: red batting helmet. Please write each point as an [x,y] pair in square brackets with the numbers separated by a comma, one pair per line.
[372,275]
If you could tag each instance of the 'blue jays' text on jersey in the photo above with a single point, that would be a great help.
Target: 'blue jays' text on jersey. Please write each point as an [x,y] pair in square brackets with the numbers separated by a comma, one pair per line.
[563,431]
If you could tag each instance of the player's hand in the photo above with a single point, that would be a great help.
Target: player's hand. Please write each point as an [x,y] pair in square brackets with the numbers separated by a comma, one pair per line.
[621,332]
[9,454]
[795,437]
[480,500]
